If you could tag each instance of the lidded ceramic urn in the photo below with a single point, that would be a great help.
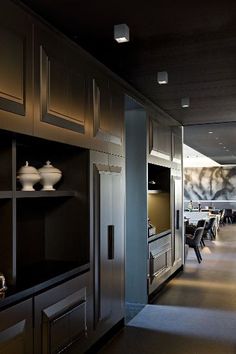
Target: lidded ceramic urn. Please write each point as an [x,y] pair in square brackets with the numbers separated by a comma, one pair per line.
[28,177]
[49,176]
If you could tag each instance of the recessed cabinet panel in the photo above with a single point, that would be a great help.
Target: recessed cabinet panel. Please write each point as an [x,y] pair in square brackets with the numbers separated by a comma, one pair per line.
[159,140]
[15,69]
[12,68]
[61,318]
[64,323]
[177,241]
[117,111]
[16,329]
[176,148]
[60,88]
[108,242]
[101,105]
[62,93]
[106,264]
[108,110]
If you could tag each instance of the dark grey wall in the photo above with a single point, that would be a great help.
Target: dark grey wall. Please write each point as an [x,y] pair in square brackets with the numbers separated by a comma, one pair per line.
[136,207]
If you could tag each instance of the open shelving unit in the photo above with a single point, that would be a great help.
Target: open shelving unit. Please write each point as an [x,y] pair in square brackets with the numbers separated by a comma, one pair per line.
[43,233]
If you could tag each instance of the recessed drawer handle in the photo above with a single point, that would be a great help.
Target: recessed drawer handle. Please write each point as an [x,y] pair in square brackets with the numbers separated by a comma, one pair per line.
[111,230]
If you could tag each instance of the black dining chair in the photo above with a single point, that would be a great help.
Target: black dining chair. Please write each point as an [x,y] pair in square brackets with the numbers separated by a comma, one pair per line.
[209,229]
[222,217]
[228,217]
[190,229]
[202,223]
[194,242]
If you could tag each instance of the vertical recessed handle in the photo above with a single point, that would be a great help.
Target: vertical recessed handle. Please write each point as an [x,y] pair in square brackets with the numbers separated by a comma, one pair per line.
[110,229]
[177,219]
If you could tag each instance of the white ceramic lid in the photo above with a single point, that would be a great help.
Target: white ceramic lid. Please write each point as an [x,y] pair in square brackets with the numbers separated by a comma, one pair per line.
[26,169]
[48,168]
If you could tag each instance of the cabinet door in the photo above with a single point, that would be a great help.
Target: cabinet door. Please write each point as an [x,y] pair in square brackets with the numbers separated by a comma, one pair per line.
[108,110]
[177,145]
[16,101]
[60,87]
[159,140]
[108,243]
[177,193]
[61,319]
[177,240]
[16,329]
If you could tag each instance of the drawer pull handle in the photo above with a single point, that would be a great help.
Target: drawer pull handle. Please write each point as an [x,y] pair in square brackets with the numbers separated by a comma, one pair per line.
[111,230]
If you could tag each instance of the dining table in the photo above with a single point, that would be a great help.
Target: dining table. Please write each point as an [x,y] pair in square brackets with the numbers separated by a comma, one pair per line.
[195,215]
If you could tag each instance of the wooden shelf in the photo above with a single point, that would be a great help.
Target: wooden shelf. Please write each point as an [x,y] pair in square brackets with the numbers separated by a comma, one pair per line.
[154,191]
[6,194]
[45,194]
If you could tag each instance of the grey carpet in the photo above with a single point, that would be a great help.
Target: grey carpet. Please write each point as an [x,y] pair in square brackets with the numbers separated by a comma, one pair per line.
[195,314]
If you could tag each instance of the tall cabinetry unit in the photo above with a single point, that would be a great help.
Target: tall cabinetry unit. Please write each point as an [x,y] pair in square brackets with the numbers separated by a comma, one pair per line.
[166,248]
[107,240]
[177,195]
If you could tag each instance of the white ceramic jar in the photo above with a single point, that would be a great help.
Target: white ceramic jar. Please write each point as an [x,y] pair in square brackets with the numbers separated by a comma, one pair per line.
[49,176]
[28,177]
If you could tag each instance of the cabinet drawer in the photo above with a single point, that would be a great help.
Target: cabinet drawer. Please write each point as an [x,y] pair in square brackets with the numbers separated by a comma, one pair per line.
[64,323]
[16,329]
[61,317]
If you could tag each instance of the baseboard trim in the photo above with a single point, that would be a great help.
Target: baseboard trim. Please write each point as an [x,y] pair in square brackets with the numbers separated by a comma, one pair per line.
[106,337]
[154,295]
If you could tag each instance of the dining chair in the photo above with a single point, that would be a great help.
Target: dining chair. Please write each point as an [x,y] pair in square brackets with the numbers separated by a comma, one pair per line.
[194,241]
[209,228]
[190,229]
[228,216]
[222,217]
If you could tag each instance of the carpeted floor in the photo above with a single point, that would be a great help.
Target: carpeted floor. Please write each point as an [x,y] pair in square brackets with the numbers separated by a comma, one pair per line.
[196,312]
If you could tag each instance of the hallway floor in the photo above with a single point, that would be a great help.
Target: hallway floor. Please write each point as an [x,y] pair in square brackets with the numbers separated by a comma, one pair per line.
[195,313]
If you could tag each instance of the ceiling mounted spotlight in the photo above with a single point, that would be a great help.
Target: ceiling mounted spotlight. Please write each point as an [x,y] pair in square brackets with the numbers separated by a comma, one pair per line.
[162,77]
[121,33]
[185,102]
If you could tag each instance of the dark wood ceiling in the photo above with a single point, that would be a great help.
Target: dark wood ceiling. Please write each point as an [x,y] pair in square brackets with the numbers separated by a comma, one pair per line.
[194,41]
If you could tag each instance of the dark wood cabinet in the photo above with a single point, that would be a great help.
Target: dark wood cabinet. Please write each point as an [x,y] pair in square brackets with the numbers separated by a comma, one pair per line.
[108,109]
[16,89]
[177,193]
[16,332]
[60,87]
[44,234]
[61,318]
[50,88]
[107,240]
[159,140]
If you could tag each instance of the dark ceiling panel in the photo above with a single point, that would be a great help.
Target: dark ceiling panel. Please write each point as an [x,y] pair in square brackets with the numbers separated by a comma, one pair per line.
[195,41]
[219,145]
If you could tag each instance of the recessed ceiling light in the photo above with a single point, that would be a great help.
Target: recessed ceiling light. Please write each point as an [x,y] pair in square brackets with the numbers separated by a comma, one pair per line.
[162,77]
[227,150]
[217,138]
[210,132]
[185,102]
[121,33]
[224,147]
[220,143]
